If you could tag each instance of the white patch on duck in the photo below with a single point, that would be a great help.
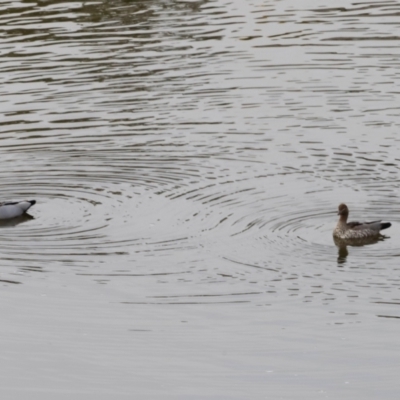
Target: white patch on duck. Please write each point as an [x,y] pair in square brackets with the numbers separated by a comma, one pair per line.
[15,209]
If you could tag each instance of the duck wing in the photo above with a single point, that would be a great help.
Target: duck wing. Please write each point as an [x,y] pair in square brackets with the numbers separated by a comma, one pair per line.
[354,224]
[373,225]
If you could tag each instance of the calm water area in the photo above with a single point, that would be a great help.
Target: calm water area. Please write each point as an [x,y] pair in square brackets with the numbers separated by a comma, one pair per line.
[188,159]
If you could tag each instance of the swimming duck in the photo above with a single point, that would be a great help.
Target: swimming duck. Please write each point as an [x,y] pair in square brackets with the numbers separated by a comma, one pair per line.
[15,209]
[357,230]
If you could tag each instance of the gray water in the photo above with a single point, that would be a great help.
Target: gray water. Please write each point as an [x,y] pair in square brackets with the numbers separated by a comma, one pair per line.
[188,158]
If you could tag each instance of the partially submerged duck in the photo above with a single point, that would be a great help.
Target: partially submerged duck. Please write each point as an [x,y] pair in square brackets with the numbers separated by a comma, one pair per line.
[357,230]
[15,209]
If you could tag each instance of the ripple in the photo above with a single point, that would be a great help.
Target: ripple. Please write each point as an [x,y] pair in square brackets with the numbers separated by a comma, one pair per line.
[185,144]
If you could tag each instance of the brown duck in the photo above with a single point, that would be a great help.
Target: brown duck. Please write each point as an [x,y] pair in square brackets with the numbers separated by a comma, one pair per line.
[357,230]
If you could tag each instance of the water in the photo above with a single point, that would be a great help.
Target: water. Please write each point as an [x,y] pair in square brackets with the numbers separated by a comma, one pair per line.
[188,159]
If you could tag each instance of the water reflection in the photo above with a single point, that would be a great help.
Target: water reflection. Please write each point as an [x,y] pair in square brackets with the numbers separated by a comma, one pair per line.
[12,222]
[342,245]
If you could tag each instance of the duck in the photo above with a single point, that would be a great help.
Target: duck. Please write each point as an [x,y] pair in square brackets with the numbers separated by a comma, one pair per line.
[15,209]
[357,230]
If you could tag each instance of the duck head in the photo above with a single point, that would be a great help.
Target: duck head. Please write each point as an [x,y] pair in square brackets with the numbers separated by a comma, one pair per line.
[343,210]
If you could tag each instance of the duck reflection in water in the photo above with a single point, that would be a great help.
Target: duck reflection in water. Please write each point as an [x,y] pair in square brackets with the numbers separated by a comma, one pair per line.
[10,223]
[342,244]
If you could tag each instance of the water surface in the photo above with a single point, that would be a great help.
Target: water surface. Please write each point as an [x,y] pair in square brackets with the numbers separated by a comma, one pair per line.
[187,158]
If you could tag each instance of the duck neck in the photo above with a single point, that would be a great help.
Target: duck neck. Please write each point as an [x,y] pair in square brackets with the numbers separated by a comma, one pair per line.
[343,218]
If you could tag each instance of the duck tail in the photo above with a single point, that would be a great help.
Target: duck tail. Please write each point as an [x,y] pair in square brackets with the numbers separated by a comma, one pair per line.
[25,205]
[385,225]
